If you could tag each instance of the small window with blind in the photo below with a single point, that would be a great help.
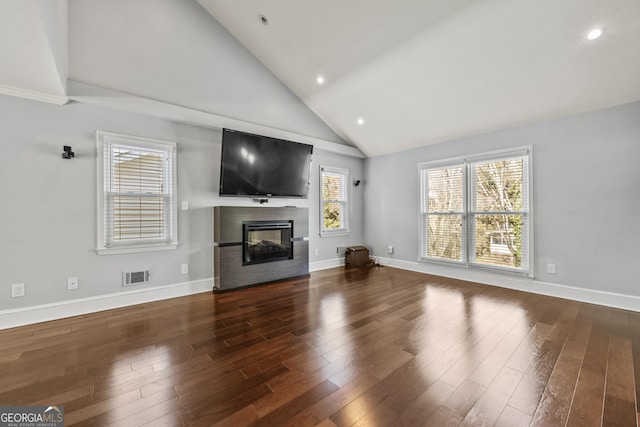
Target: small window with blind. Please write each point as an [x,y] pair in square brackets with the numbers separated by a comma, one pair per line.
[476,211]
[334,201]
[136,194]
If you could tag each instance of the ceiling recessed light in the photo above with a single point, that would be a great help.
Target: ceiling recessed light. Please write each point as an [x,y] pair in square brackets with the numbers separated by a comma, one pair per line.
[320,80]
[263,20]
[594,34]
[360,121]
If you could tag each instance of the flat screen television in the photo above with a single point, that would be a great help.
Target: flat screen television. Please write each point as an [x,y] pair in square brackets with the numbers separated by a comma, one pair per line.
[261,167]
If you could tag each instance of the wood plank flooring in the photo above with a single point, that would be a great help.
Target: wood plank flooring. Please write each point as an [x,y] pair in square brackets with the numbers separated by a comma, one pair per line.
[345,347]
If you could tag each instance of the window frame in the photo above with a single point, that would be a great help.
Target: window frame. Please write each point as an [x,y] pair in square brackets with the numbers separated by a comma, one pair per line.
[345,203]
[424,211]
[468,244]
[107,244]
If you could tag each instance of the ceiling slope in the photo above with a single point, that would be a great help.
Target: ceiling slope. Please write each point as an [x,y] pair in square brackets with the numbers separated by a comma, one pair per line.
[172,56]
[420,72]
[33,48]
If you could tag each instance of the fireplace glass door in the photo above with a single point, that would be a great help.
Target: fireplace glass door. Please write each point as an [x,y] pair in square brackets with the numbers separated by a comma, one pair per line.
[267,241]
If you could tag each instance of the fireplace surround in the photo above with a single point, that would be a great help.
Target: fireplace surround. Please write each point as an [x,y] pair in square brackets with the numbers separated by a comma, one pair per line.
[257,245]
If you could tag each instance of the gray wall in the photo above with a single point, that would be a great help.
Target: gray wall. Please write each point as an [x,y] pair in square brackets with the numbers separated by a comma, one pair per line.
[586,192]
[586,195]
[327,245]
[48,213]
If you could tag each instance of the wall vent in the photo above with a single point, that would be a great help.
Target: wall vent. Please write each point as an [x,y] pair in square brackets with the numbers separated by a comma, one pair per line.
[130,278]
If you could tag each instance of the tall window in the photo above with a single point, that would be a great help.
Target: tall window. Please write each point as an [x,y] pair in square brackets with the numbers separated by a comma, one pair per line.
[334,201]
[476,211]
[137,194]
[443,213]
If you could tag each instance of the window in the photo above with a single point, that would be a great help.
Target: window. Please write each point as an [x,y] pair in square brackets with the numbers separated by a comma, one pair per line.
[137,194]
[334,201]
[476,211]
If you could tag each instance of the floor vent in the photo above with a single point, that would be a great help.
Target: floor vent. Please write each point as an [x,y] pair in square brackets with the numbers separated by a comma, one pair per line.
[131,278]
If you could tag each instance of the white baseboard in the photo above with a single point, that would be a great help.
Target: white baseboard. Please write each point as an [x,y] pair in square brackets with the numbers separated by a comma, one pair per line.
[591,296]
[46,312]
[59,310]
[324,265]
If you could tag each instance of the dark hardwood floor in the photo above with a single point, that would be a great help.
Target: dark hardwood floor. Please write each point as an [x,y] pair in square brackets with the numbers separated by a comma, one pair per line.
[358,347]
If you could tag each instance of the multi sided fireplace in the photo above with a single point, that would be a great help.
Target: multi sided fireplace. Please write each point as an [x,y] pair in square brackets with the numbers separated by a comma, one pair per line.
[267,241]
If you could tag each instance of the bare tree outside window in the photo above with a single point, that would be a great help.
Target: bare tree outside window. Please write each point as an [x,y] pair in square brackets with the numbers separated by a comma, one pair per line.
[477,212]
[498,192]
[444,221]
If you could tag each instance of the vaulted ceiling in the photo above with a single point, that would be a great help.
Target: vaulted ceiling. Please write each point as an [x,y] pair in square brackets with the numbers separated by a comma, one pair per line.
[425,71]
[414,72]
[33,49]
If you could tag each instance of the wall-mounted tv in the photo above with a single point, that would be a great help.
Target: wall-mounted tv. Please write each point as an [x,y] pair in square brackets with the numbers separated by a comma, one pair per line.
[261,167]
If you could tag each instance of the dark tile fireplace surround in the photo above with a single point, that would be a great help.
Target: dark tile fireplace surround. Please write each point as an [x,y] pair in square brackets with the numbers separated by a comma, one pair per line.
[256,245]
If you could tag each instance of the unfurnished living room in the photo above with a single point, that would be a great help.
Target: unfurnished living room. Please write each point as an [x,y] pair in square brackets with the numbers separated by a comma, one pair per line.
[337,213]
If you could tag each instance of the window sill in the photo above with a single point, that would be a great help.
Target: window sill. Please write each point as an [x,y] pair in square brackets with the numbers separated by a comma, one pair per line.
[334,233]
[478,267]
[135,249]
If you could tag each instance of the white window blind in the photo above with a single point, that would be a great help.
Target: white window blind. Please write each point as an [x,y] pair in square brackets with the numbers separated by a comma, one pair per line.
[499,212]
[334,200]
[137,203]
[443,209]
[476,211]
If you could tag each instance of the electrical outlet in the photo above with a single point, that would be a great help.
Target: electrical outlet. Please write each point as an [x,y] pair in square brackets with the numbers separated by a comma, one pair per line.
[185,205]
[185,269]
[389,249]
[72,283]
[551,268]
[315,251]
[17,290]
